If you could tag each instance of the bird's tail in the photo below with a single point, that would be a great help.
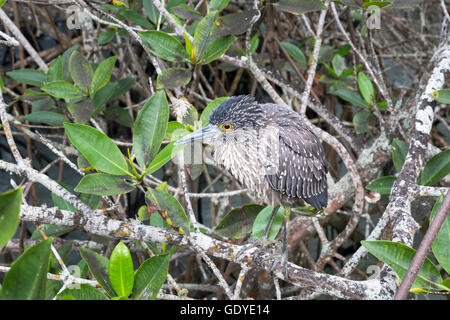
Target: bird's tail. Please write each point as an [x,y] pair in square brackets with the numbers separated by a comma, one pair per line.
[318,201]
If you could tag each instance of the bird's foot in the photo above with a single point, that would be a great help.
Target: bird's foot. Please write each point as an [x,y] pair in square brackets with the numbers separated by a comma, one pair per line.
[260,243]
[280,259]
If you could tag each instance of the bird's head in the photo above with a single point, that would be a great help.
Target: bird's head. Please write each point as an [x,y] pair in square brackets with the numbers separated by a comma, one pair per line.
[230,120]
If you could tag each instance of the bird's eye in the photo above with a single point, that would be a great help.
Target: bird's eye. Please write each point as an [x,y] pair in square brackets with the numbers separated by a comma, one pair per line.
[226,126]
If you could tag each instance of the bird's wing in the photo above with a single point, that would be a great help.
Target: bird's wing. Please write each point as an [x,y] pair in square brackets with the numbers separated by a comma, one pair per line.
[302,166]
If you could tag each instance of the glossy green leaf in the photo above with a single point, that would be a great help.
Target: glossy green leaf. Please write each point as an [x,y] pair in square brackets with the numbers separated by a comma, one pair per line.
[31,77]
[135,17]
[98,266]
[151,11]
[150,127]
[235,23]
[442,96]
[262,220]
[164,46]
[61,89]
[83,292]
[436,169]
[150,277]
[97,148]
[102,74]
[80,70]
[379,4]
[9,214]
[173,78]
[399,256]
[204,118]
[218,5]
[338,63]
[300,7]
[106,37]
[294,52]
[174,128]
[382,185]
[399,151]
[102,96]
[366,88]
[352,97]
[123,86]
[48,117]
[50,230]
[82,110]
[237,223]
[55,71]
[121,271]
[364,121]
[168,204]
[202,36]
[103,185]
[217,48]
[441,244]
[254,43]
[164,156]
[186,12]
[27,278]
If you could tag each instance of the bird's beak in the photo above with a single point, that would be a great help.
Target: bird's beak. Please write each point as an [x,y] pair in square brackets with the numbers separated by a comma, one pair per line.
[205,133]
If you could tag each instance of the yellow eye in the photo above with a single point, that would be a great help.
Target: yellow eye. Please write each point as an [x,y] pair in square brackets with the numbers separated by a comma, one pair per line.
[226,126]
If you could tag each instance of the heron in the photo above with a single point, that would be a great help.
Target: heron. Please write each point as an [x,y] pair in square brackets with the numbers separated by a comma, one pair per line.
[269,150]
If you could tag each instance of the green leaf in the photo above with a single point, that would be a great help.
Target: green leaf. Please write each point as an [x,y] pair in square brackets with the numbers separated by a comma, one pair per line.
[119,115]
[135,17]
[27,278]
[102,74]
[186,12]
[150,127]
[204,118]
[218,5]
[106,37]
[300,7]
[123,86]
[173,78]
[84,292]
[168,204]
[61,204]
[217,48]
[254,43]
[442,96]
[31,77]
[55,71]
[163,157]
[174,130]
[151,11]
[50,230]
[150,277]
[363,121]
[441,244]
[399,151]
[338,63]
[399,256]
[80,70]
[237,223]
[366,88]
[262,220]
[436,169]
[48,117]
[202,36]
[81,110]
[102,96]
[294,52]
[352,97]
[164,46]
[97,148]
[103,185]
[61,89]
[382,185]
[65,60]
[9,214]
[235,23]
[98,266]
[121,271]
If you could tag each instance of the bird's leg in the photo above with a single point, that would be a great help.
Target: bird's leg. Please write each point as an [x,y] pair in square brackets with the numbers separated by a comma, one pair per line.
[261,242]
[287,214]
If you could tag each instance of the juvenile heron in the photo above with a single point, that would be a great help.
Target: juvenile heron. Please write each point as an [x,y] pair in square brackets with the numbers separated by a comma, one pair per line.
[269,150]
